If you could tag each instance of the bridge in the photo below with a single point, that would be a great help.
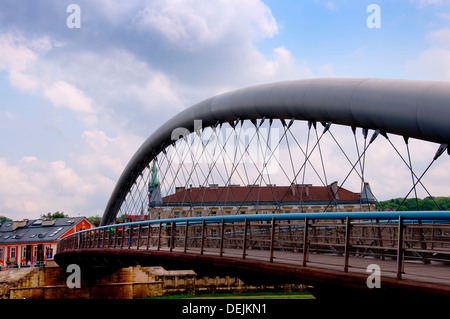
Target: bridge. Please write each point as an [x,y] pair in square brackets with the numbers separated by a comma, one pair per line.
[179,202]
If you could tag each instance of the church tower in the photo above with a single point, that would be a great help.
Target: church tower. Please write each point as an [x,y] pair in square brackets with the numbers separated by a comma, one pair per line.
[154,188]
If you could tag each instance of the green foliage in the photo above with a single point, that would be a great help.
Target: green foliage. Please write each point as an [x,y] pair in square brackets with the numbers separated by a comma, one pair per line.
[95,218]
[56,214]
[412,204]
[4,219]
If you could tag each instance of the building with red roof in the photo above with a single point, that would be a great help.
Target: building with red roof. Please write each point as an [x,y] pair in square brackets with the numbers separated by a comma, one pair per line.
[31,242]
[256,199]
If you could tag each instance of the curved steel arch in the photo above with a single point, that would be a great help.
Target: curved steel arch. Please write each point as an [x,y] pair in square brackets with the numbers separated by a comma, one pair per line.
[416,109]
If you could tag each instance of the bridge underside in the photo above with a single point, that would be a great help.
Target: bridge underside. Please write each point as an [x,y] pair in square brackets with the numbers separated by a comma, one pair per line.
[326,284]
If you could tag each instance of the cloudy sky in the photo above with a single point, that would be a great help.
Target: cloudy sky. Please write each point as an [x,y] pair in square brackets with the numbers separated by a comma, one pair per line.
[76,103]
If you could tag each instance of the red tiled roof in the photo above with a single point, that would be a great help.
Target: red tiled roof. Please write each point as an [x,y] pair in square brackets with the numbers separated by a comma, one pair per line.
[260,194]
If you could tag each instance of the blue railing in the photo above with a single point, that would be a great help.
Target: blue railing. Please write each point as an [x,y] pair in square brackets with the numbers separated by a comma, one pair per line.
[423,216]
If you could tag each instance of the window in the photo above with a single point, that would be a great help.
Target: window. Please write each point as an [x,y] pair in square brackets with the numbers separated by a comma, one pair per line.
[55,232]
[13,252]
[198,213]
[1,253]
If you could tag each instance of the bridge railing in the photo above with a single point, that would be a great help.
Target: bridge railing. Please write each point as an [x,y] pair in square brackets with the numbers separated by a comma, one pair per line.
[286,238]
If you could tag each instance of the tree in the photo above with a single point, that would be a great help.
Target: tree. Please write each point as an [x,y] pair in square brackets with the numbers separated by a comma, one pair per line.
[56,214]
[411,204]
[4,219]
[95,220]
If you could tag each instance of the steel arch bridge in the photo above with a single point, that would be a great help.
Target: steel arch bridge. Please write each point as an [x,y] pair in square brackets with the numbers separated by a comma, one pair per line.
[182,188]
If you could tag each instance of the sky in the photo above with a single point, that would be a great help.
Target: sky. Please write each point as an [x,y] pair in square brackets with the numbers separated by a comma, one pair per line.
[76,101]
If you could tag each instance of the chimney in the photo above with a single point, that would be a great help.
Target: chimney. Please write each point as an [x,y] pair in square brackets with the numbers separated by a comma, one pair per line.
[19,223]
[293,189]
[334,188]
[179,189]
[306,187]
[48,222]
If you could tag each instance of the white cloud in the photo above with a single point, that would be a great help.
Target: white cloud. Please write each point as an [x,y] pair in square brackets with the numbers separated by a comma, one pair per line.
[106,155]
[443,15]
[440,37]
[88,83]
[327,70]
[425,3]
[23,59]
[15,53]
[33,187]
[118,88]
[63,94]
[194,24]
[9,115]
[255,68]
[180,53]
[434,63]
[331,6]
[211,46]
[282,64]
[125,87]
[80,184]
[24,82]
[15,56]
[19,54]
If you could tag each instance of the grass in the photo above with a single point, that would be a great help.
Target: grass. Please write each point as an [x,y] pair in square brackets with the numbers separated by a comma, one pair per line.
[261,295]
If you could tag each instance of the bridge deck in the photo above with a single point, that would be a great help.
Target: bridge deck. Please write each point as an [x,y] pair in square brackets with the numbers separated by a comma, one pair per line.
[433,273]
